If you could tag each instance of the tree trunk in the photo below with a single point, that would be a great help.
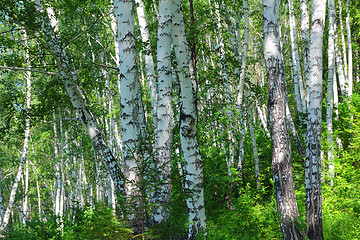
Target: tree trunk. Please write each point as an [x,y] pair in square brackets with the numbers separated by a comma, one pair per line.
[131,105]
[313,134]
[350,65]
[298,82]
[330,89]
[149,62]
[188,130]
[305,44]
[281,148]
[165,113]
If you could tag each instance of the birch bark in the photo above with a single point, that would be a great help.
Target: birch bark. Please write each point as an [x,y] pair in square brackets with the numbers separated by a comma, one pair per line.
[330,83]
[243,55]
[193,167]
[305,44]
[313,135]
[149,62]
[281,158]
[132,112]
[298,82]
[350,59]
[164,112]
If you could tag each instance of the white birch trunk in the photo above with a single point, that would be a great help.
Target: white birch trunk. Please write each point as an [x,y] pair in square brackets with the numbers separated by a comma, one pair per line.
[241,84]
[149,62]
[298,82]
[164,113]
[193,168]
[305,44]
[340,67]
[330,84]
[240,88]
[57,170]
[313,135]
[343,42]
[350,59]
[132,113]
[281,148]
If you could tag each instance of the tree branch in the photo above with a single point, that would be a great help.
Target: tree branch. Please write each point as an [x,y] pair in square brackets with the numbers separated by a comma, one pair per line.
[31,70]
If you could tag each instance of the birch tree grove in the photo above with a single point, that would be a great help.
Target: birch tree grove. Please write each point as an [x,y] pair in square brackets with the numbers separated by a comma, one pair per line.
[169,119]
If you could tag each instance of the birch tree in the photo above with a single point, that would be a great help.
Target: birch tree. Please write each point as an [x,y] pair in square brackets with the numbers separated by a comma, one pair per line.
[305,44]
[330,83]
[298,83]
[164,112]
[149,62]
[281,151]
[313,199]
[130,100]
[193,167]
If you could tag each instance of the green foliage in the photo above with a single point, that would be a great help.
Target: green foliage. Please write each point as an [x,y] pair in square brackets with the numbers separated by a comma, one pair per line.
[252,218]
[88,223]
[341,205]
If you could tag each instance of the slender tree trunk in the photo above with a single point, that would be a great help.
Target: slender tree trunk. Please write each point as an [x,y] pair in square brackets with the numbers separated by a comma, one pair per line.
[193,168]
[350,59]
[165,113]
[305,44]
[330,83]
[343,42]
[240,89]
[281,148]
[340,66]
[241,84]
[149,62]
[313,135]
[298,82]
